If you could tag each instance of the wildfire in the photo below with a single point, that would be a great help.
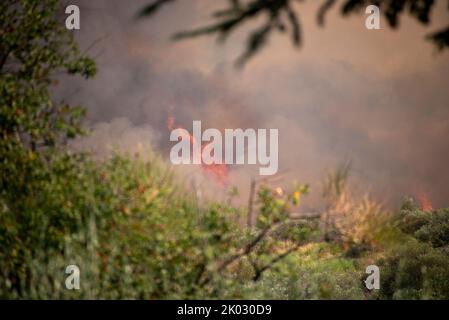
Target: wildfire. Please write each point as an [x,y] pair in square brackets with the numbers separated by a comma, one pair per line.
[170,122]
[218,170]
[424,202]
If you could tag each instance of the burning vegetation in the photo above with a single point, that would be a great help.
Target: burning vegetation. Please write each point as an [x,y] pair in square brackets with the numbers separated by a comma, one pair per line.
[219,171]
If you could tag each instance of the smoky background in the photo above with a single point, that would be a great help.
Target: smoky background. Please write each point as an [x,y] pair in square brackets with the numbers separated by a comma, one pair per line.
[377,98]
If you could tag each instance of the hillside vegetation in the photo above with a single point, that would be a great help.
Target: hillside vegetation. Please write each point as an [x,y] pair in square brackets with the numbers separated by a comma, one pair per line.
[136,232]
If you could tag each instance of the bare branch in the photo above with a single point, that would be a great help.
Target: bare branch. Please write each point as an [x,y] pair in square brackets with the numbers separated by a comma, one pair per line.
[269,265]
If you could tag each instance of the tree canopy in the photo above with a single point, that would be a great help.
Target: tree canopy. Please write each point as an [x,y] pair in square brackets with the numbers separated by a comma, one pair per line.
[282,16]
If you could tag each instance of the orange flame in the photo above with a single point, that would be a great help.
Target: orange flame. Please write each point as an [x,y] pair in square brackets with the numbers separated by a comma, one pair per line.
[218,170]
[170,122]
[424,202]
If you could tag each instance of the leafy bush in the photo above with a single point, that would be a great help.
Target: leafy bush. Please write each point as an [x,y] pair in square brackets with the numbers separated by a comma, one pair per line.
[418,268]
[129,228]
[317,271]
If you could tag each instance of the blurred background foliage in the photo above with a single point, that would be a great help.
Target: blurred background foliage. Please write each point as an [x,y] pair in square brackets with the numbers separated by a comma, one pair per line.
[137,233]
[283,17]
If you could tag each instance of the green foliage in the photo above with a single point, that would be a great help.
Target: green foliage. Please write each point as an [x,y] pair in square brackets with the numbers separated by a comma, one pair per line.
[125,222]
[275,204]
[135,233]
[419,267]
[427,227]
[132,232]
[34,48]
[316,272]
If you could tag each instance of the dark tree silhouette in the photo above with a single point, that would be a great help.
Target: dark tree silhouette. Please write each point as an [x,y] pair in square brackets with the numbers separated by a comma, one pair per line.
[281,16]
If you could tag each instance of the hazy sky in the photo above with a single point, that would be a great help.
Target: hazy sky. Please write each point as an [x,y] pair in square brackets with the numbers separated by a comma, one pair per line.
[377,97]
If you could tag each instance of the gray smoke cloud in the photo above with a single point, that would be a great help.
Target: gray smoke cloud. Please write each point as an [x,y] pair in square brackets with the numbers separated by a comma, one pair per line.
[378,98]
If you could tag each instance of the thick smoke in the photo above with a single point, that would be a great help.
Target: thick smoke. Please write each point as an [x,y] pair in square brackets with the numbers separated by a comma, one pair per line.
[378,98]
